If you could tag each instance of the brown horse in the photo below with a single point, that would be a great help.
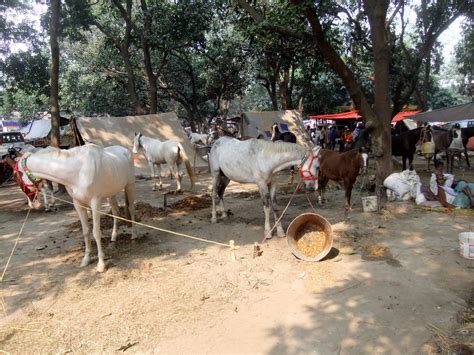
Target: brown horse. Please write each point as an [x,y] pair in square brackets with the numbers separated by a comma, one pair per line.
[343,167]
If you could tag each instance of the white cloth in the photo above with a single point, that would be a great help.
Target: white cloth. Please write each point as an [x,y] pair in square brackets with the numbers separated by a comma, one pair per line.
[450,193]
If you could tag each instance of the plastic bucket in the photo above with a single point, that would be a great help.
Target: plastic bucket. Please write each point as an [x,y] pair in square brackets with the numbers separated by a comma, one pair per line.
[370,204]
[309,221]
[428,149]
[466,244]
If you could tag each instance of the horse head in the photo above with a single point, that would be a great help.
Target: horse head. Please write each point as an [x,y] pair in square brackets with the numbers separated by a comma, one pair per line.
[30,184]
[310,165]
[276,134]
[136,142]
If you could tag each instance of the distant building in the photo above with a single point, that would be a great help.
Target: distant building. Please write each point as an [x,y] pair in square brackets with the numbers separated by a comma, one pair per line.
[9,126]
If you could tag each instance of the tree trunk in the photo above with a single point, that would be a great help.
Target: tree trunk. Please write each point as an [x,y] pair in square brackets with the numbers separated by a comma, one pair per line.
[382,52]
[53,32]
[283,86]
[152,87]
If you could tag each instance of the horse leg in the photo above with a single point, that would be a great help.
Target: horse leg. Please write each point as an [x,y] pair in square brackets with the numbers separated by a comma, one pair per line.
[265,195]
[323,180]
[158,166]
[410,161]
[45,198]
[467,156]
[51,191]
[82,212]
[292,174]
[280,231]
[214,183]
[115,212]
[130,206]
[175,172]
[95,207]
[223,182]
[348,192]
[153,177]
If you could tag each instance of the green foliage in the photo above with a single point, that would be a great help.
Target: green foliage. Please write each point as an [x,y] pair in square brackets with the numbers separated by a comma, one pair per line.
[27,71]
[23,102]
[465,58]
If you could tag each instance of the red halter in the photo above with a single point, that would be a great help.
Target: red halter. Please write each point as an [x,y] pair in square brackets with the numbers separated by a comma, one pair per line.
[30,190]
[306,174]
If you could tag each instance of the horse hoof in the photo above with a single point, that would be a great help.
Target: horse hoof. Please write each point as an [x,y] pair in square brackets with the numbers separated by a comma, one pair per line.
[85,261]
[154,188]
[213,220]
[101,266]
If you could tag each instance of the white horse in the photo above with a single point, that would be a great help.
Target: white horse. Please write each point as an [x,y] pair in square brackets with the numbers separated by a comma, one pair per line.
[90,174]
[256,161]
[167,152]
[197,138]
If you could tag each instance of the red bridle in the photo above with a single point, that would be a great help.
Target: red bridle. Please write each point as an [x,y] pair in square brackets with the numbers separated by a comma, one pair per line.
[306,174]
[30,190]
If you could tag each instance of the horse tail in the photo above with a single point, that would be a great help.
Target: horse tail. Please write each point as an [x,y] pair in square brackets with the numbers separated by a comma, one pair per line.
[189,168]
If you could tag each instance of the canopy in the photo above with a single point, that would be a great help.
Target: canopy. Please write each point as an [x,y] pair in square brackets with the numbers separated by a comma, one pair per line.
[402,115]
[447,114]
[351,115]
[108,131]
[255,123]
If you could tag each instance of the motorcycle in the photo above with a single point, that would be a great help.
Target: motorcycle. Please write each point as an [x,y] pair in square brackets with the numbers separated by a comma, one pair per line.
[6,171]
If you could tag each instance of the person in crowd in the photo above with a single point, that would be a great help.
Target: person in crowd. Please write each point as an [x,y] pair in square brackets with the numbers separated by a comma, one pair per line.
[323,137]
[332,137]
[346,139]
[447,191]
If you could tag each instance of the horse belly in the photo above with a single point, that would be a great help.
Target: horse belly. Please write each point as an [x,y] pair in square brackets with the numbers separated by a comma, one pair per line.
[238,172]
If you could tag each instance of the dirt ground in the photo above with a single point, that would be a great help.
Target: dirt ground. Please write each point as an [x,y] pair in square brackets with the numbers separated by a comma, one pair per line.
[393,282]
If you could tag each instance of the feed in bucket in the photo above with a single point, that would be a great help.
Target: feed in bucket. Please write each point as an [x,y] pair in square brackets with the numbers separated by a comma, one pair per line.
[309,237]
[310,241]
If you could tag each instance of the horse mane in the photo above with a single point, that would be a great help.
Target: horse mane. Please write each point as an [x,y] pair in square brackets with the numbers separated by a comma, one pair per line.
[278,147]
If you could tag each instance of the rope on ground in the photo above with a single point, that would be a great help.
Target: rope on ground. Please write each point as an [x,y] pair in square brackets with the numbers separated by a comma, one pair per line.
[282,214]
[230,245]
[14,247]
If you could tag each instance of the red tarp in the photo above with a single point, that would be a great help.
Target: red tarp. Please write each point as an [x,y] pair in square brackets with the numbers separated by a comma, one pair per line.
[402,115]
[351,115]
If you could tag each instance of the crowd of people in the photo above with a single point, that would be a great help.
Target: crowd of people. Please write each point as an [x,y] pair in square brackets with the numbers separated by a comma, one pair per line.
[330,137]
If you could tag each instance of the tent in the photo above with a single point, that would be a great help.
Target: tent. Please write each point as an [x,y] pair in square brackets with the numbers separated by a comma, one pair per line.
[404,115]
[351,115]
[448,114]
[254,123]
[37,132]
[108,131]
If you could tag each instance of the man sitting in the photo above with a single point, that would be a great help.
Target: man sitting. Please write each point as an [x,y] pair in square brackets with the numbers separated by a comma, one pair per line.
[447,192]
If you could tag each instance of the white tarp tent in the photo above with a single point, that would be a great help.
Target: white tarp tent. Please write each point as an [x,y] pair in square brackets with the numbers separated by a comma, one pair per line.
[254,123]
[36,129]
[447,114]
[108,131]
[38,132]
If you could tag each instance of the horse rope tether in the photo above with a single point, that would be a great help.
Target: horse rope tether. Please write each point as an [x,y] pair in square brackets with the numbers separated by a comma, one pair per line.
[14,246]
[230,245]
